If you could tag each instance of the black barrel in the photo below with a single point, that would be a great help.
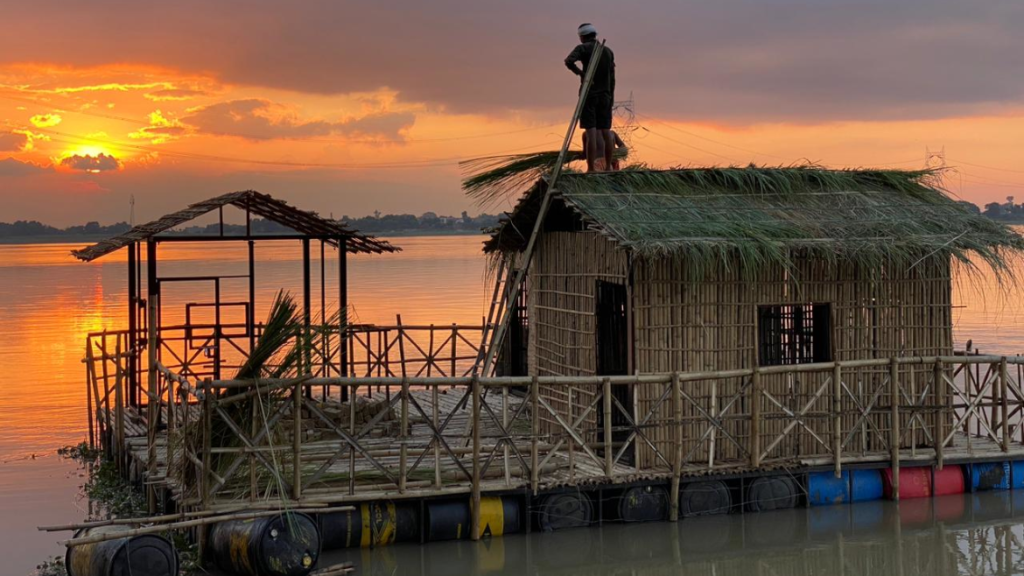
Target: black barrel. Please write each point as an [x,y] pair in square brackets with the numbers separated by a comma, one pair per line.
[643,504]
[283,545]
[369,525]
[771,493]
[704,498]
[450,519]
[566,510]
[150,554]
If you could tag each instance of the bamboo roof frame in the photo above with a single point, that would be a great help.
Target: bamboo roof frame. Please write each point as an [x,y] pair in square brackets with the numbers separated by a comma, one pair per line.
[305,223]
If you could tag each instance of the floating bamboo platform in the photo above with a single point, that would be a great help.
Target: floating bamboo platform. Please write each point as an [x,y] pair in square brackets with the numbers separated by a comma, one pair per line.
[314,441]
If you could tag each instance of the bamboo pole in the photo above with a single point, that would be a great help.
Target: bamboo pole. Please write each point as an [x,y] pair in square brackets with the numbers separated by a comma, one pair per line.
[940,421]
[297,442]
[152,400]
[122,458]
[436,416]
[206,474]
[403,436]
[512,293]
[1004,404]
[677,460]
[535,434]
[837,418]
[88,392]
[755,419]
[609,453]
[104,537]
[475,501]
[894,416]
[507,439]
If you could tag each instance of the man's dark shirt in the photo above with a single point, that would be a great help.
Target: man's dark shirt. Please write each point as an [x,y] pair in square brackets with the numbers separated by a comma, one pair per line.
[604,76]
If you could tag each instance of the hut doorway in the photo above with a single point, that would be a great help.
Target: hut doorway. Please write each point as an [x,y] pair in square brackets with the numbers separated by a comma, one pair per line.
[613,353]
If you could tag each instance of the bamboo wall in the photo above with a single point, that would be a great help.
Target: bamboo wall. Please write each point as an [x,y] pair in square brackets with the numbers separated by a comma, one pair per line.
[709,323]
[562,311]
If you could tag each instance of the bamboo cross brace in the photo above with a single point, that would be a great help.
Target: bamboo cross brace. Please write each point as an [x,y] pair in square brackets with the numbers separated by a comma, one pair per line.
[916,404]
[561,441]
[437,436]
[237,462]
[226,418]
[972,409]
[354,442]
[635,429]
[572,432]
[716,421]
[505,440]
[797,419]
[864,413]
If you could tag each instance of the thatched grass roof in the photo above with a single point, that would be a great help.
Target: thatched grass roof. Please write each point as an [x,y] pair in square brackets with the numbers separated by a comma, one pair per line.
[771,215]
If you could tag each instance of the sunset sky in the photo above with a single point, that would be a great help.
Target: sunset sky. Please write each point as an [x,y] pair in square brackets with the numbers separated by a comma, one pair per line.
[350,107]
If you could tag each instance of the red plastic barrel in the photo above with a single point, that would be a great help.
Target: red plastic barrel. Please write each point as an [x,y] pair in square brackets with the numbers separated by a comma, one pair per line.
[949,480]
[917,482]
[914,482]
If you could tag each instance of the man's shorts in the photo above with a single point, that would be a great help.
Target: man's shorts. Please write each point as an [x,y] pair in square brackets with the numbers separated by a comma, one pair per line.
[597,112]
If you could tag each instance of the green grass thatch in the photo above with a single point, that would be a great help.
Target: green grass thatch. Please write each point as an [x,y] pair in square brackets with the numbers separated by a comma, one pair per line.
[760,215]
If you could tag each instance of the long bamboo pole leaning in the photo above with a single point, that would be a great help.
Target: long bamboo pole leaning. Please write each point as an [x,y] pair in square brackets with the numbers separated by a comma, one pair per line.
[153,397]
[556,171]
[677,437]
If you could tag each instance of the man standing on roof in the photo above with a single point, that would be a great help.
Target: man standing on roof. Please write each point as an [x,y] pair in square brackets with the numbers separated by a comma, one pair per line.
[596,116]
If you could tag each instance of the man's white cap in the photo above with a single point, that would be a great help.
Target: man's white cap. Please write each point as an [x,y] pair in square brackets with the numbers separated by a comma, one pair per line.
[586,29]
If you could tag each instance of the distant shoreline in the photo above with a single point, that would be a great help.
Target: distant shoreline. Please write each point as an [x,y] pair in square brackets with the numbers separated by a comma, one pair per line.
[85,238]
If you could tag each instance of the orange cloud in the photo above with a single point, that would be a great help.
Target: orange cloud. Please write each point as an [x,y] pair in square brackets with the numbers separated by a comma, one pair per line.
[94,164]
[45,120]
[161,129]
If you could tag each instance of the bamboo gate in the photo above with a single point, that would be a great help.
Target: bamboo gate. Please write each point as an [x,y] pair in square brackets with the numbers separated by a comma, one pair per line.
[436,429]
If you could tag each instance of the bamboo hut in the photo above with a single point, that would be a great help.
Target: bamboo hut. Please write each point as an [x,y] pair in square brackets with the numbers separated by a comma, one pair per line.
[652,271]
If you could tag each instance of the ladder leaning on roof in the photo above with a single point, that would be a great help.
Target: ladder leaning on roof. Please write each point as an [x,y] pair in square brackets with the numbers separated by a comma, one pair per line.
[503,298]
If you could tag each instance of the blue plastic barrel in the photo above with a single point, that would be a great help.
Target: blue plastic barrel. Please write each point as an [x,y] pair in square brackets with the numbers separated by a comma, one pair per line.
[989,476]
[824,488]
[1017,472]
[865,485]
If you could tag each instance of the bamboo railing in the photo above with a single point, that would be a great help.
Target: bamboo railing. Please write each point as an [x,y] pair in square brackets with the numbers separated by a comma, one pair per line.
[469,435]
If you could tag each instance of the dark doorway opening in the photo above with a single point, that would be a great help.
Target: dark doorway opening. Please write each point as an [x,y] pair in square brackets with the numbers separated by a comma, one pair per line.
[613,356]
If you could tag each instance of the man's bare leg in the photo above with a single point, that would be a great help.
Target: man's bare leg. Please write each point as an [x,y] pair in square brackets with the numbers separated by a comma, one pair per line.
[609,149]
[592,136]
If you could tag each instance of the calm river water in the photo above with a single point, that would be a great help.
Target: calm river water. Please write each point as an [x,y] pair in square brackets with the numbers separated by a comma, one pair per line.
[49,302]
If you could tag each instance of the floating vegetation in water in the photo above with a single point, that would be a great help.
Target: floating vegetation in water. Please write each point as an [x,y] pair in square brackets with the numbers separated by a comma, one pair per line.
[104,486]
[52,567]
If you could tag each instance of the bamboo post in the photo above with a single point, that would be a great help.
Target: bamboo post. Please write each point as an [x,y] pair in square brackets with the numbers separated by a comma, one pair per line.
[837,418]
[352,432]
[755,418]
[940,421]
[436,413]
[677,435]
[206,474]
[894,416]
[1004,404]
[119,412]
[88,394]
[504,424]
[609,450]
[403,447]
[475,502]
[153,398]
[534,434]
[297,442]
[455,337]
